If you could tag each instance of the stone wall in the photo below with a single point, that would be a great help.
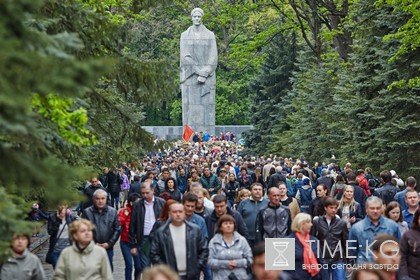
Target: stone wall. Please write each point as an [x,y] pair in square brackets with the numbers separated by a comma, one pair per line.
[175,132]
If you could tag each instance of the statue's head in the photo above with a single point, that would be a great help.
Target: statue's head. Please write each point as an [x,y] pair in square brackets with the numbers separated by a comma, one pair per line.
[196,16]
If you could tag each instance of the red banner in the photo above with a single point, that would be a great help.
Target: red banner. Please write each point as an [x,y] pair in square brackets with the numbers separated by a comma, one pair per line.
[188,132]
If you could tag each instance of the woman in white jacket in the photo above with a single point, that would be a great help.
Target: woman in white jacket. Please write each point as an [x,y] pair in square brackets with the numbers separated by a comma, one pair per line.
[83,260]
[229,252]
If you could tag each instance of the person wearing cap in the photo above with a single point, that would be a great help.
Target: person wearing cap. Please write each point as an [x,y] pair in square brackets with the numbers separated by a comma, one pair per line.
[36,215]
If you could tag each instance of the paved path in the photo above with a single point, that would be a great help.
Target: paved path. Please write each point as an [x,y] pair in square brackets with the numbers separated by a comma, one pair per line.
[119,265]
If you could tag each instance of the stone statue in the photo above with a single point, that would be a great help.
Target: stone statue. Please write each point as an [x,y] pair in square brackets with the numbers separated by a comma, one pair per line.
[198,77]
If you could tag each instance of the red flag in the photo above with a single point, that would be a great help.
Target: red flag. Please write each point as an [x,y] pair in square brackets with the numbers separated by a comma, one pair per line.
[188,132]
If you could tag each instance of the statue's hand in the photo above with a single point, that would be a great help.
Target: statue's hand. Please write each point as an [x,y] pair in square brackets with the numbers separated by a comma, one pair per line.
[201,79]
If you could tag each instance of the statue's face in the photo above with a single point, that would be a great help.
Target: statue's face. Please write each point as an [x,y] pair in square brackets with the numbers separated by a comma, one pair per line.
[196,18]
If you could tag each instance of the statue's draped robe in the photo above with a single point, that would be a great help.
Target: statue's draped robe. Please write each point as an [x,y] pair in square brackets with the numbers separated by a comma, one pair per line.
[198,58]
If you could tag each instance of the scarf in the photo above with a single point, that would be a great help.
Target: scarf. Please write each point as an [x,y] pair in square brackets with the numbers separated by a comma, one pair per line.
[309,259]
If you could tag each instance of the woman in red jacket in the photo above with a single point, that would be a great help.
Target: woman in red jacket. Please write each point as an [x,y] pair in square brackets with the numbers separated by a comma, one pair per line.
[124,216]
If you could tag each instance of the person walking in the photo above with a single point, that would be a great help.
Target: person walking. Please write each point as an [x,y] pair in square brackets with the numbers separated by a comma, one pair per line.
[229,253]
[22,265]
[84,260]
[58,229]
[124,217]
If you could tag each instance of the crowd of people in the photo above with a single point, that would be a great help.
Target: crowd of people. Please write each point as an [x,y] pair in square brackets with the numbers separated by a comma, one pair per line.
[201,211]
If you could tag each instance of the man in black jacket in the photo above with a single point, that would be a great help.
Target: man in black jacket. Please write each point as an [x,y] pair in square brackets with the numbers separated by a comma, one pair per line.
[221,208]
[143,216]
[274,220]
[332,233]
[107,225]
[180,244]
[135,186]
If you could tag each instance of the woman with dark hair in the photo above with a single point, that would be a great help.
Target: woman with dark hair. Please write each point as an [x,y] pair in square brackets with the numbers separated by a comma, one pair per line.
[231,189]
[393,211]
[338,185]
[229,253]
[124,217]
[316,206]
[58,229]
[410,250]
[271,172]
[22,265]
[244,179]
[171,187]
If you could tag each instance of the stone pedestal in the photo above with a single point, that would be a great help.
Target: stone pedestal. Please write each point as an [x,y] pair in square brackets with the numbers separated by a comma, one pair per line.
[199,112]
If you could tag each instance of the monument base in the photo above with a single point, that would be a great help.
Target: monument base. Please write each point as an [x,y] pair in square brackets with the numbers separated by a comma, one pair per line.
[175,132]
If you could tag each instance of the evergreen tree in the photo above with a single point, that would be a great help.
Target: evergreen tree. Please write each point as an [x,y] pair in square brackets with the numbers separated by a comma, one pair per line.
[268,107]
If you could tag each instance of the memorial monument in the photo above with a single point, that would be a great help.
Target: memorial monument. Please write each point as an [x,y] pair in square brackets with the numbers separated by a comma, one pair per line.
[198,61]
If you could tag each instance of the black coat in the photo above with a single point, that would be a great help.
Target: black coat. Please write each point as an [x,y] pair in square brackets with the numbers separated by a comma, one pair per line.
[333,234]
[162,249]
[211,222]
[134,188]
[107,225]
[54,226]
[135,232]
[359,196]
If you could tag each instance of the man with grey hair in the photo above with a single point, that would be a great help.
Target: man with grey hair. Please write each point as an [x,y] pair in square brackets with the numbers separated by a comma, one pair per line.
[276,178]
[107,225]
[363,233]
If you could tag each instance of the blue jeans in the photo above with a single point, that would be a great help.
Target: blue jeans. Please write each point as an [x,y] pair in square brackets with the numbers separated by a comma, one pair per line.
[207,273]
[129,259]
[110,253]
[55,255]
[335,271]
[115,199]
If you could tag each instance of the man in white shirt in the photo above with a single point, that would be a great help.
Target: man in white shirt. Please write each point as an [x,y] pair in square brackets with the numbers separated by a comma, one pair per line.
[180,244]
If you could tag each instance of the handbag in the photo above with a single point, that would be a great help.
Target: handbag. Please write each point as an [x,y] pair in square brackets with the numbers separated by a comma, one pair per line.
[49,256]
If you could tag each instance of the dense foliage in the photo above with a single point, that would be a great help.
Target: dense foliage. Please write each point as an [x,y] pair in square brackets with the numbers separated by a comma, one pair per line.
[71,99]
[314,77]
[355,91]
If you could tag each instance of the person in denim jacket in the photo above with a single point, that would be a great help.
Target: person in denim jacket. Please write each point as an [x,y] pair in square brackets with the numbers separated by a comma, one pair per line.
[364,232]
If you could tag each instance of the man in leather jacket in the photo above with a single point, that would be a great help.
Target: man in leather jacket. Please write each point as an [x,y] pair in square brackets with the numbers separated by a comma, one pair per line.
[188,255]
[145,213]
[107,225]
[333,231]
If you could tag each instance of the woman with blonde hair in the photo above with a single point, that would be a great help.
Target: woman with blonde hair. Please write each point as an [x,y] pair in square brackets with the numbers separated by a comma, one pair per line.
[160,272]
[83,260]
[242,195]
[306,260]
[349,209]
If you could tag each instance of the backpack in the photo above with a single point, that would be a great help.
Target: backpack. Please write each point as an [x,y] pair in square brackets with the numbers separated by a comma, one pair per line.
[387,195]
